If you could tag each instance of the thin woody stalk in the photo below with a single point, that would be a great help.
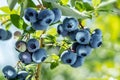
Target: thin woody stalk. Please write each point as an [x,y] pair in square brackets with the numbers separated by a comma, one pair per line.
[38,73]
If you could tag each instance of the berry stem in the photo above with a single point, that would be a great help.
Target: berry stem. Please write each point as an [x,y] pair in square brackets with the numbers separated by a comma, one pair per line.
[38,73]
[81,25]
[40,5]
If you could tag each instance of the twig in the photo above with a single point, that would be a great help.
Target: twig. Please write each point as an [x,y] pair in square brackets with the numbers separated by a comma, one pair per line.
[37,76]
[40,5]
[81,25]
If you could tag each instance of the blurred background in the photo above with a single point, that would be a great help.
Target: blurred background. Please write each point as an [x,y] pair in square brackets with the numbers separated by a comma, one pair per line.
[102,64]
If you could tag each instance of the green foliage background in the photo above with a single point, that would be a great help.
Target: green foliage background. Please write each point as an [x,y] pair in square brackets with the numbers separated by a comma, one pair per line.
[104,62]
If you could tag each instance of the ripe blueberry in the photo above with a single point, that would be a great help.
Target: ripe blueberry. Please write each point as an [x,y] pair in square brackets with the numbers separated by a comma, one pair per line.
[61,30]
[9,35]
[72,34]
[83,37]
[9,72]
[70,24]
[95,41]
[39,55]
[40,25]
[68,57]
[83,50]
[33,45]
[25,57]
[3,34]
[22,75]
[79,61]
[57,12]
[46,16]
[31,15]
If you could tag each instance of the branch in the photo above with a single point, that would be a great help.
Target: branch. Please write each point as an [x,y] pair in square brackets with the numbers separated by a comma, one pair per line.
[37,76]
[106,3]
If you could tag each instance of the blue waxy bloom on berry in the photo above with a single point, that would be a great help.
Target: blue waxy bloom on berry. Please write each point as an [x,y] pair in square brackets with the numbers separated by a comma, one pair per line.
[3,34]
[46,16]
[68,57]
[83,50]
[25,57]
[79,61]
[57,12]
[31,15]
[61,30]
[33,45]
[39,55]
[9,72]
[83,37]
[70,24]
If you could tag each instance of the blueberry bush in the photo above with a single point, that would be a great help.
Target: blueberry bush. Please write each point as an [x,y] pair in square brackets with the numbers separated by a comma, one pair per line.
[81,34]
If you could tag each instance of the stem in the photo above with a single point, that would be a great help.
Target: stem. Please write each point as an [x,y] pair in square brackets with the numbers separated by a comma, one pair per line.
[37,76]
[81,25]
[40,5]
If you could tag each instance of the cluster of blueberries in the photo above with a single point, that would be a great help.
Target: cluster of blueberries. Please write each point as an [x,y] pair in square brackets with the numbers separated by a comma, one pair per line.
[83,41]
[41,20]
[30,51]
[5,35]
[11,74]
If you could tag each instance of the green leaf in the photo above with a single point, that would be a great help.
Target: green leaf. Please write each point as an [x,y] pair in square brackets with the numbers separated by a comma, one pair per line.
[18,21]
[6,9]
[55,57]
[64,2]
[88,7]
[52,31]
[83,6]
[95,3]
[79,6]
[11,4]
[8,25]
[67,11]
[54,65]
[72,2]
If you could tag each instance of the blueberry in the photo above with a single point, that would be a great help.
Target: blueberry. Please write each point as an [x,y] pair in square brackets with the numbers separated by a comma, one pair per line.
[20,46]
[57,12]
[9,35]
[72,34]
[70,24]
[68,57]
[79,61]
[95,41]
[83,50]
[39,55]
[31,15]
[83,37]
[22,75]
[61,30]
[98,31]
[9,72]
[25,57]
[3,34]
[47,16]
[74,46]
[33,45]
[40,25]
